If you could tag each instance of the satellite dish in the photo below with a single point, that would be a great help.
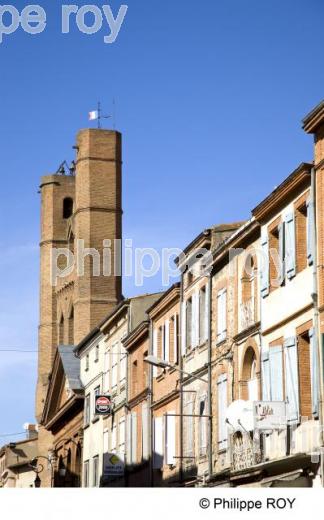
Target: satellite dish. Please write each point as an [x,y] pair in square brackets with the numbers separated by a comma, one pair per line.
[239,415]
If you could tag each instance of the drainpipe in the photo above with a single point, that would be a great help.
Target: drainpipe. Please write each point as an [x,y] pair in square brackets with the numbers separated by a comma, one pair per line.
[150,399]
[210,408]
[181,381]
[317,330]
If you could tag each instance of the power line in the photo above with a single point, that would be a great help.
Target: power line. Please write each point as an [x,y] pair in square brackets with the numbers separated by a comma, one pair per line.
[16,350]
[11,434]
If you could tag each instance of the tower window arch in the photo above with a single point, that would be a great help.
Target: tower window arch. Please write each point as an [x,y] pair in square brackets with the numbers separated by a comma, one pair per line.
[67,207]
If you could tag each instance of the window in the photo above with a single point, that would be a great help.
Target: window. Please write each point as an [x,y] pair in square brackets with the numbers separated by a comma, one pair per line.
[87,410]
[304,372]
[276,256]
[203,316]
[87,362]
[95,471]
[222,406]
[253,384]
[97,353]
[96,393]
[290,246]
[203,424]
[189,324]
[67,207]
[291,380]
[188,420]
[221,315]
[301,237]
[132,438]
[86,474]
[174,339]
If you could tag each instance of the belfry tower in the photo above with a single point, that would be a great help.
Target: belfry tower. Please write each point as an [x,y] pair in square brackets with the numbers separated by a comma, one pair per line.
[78,211]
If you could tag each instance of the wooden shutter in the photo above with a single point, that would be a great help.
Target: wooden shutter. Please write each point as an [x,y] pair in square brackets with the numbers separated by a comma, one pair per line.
[175,339]
[291,380]
[145,435]
[155,350]
[221,315]
[222,406]
[183,327]
[265,375]
[310,232]
[170,438]
[276,373]
[281,231]
[265,272]
[167,341]
[158,443]
[314,372]
[290,245]
[206,317]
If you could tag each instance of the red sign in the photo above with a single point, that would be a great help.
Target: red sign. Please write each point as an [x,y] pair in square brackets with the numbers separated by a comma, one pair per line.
[103,404]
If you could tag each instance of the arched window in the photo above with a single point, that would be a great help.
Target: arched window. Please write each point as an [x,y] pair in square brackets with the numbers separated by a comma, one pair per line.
[67,207]
[248,289]
[250,379]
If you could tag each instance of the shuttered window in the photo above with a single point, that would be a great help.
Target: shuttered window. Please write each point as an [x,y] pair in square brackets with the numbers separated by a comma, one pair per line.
[183,328]
[155,350]
[314,372]
[310,232]
[222,406]
[121,438]
[265,376]
[166,341]
[264,264]
[291,380]
[276,373]
[221,315]
[203,426]
[290,245]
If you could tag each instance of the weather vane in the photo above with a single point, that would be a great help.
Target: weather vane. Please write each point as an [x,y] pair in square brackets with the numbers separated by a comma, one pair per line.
[96,115]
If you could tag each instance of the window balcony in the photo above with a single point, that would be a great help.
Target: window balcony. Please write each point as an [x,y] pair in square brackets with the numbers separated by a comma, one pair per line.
[245,452]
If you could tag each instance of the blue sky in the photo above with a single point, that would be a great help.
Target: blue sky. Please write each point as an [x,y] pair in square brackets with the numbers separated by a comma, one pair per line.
[209,95]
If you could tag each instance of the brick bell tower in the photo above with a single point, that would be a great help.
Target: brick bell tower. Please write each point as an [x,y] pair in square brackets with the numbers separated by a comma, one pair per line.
[85,207]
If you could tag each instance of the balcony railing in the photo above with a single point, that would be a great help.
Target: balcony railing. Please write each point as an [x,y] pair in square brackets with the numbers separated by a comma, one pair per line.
[245,451]
[247,313]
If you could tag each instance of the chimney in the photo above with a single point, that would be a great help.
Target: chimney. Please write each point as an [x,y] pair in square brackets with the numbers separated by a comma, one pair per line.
[31,431]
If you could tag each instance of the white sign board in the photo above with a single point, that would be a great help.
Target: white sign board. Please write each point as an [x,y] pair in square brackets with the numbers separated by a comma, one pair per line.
[113,465]
[269,415]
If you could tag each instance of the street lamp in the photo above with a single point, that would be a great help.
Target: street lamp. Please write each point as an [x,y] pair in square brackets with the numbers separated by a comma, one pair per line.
[160,363]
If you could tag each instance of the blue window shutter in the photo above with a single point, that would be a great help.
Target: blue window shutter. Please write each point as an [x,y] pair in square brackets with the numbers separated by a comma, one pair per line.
[314,372]
[310,232]
[290,245]
[264,282]
[281,229]
[291,380]
[266,395]
[276,373]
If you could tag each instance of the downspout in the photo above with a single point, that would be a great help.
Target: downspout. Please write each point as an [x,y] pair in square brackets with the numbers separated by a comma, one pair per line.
[317,331]
[210,408]
[150,399]
[181,380]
